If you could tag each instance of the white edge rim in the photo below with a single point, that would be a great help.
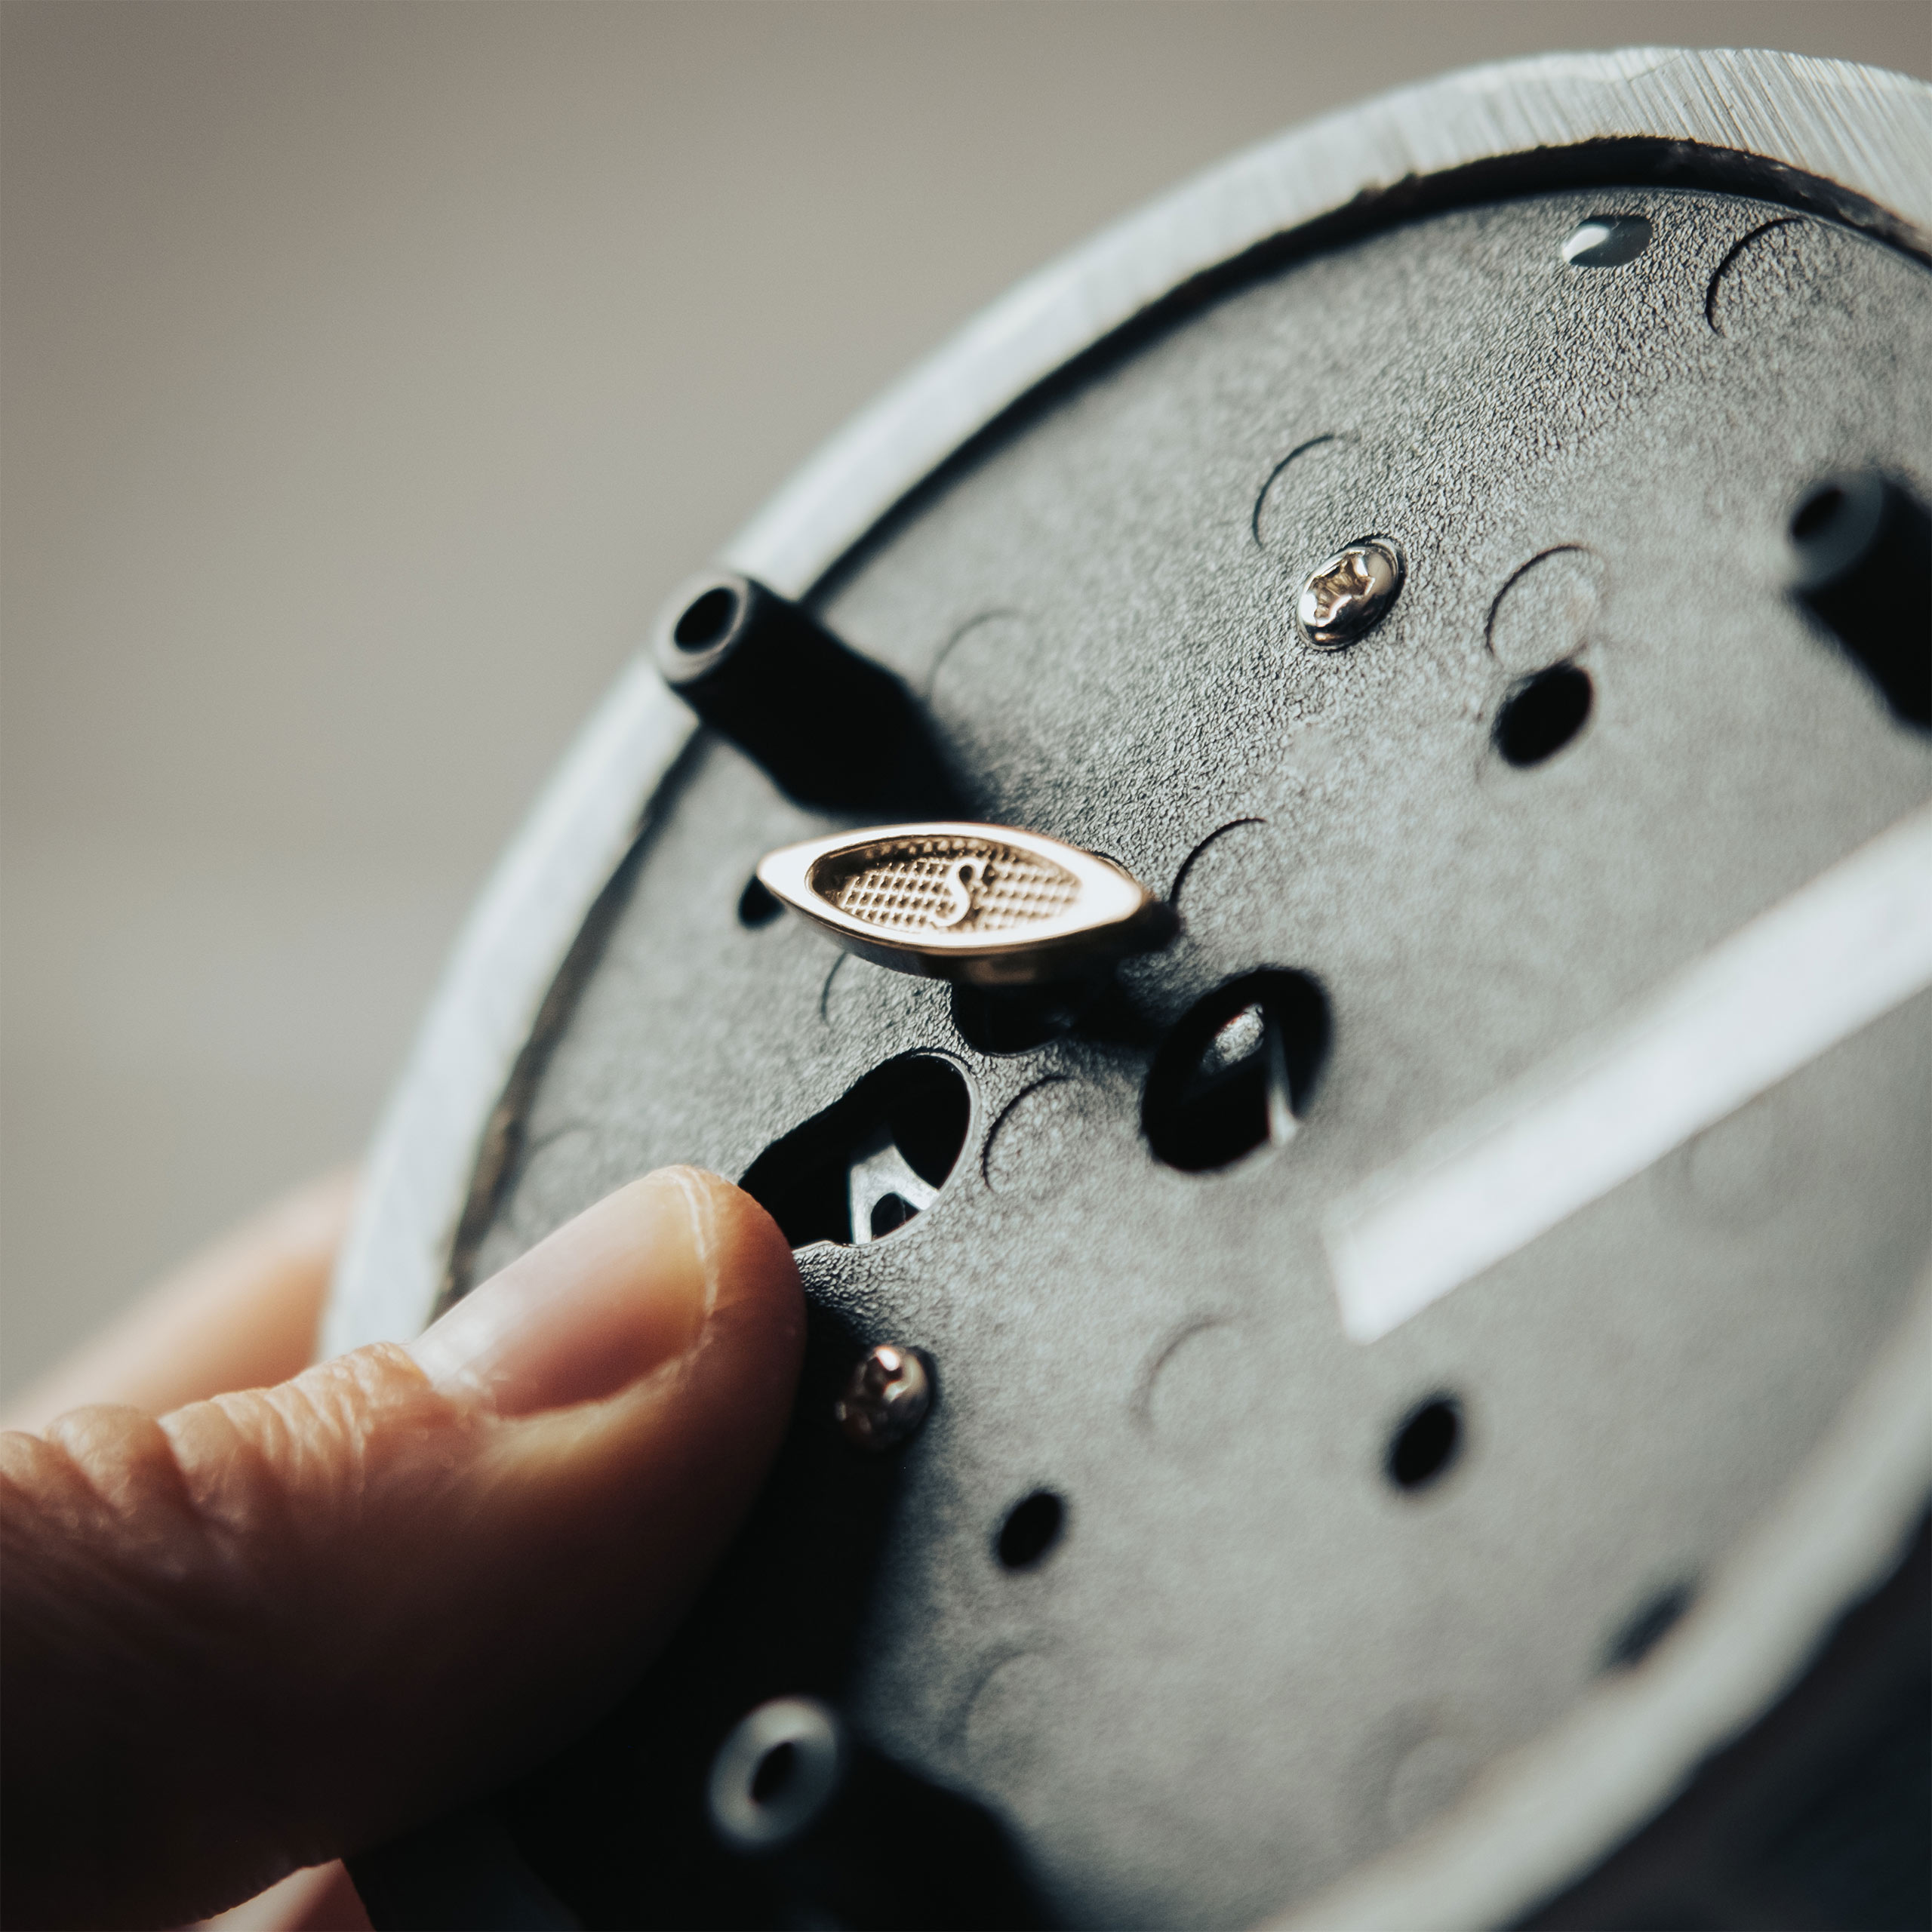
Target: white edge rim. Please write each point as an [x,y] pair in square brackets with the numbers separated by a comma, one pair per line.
[1860,128]
[417,1175]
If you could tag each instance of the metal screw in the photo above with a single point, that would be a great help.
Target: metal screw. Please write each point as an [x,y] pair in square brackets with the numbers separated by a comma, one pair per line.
[1349,594]
[887,1398]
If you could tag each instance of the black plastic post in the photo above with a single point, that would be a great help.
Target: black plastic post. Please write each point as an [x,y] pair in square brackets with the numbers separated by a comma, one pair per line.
[833,729]
[1864,546]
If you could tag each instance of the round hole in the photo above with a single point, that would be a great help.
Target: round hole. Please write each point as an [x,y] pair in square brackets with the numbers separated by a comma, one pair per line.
[756,906]
[1426,1443]
[1816,512]
[775,1770]
[1032,1528]
[1543,715]
[1237,1071]
[706,619]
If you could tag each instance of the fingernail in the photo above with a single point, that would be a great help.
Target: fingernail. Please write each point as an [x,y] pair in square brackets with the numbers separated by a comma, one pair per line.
[610,1296]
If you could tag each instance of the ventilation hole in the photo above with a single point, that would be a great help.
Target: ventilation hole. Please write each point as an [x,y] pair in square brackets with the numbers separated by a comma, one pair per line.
[1862,557]
[872,1162]
[1018,1019]
[1543,715]
[756,906]
[775,1769]
[1032,1528]
[1237,1071]
[706,619]
[1648,1627]
[1425,1446]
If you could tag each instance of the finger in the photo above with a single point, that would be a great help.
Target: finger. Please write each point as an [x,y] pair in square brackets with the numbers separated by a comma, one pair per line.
[241,1313]
[238,1315]
[325,1611]
[323,1899]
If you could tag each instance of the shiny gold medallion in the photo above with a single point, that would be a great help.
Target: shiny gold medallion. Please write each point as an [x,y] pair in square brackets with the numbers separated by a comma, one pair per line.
[985,903]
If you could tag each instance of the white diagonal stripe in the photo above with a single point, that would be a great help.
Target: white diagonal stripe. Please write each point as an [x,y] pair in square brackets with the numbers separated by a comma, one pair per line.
[1853,943]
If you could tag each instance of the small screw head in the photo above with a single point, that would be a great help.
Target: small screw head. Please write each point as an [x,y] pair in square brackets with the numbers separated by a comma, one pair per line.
[886,1399]
[1349,594]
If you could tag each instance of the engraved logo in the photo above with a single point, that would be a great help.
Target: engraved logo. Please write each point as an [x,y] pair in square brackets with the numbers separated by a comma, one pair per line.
[990,904]
[962,879]
[946,883]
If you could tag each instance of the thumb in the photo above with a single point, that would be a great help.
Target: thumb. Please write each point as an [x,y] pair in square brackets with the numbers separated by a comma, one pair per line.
[277,1626]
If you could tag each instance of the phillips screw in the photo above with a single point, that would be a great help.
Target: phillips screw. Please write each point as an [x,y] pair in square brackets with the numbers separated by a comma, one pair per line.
[1346,595]
[886,1399]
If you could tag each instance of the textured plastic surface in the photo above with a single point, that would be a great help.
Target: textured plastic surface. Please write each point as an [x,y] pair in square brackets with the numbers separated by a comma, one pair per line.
[1251,1662]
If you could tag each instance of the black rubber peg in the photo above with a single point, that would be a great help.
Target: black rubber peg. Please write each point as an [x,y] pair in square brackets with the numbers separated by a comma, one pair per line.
[1863,548]
[832,729]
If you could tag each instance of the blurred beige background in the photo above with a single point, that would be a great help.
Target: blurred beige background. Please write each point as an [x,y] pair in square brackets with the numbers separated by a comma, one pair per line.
[368,371]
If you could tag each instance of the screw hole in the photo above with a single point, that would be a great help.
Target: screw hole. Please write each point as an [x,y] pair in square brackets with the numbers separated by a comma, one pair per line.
[1426,1443]
[756,906]
[1237,1071]
[775,1769]
[706,619]
[1543,715]
[1032,1528]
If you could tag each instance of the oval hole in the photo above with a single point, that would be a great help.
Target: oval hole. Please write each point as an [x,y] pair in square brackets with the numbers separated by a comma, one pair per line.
[1543,714]
[1428,1442]
[706,619]
[1032,1528]
[872,1162]
[775,1771]
[1238,1070]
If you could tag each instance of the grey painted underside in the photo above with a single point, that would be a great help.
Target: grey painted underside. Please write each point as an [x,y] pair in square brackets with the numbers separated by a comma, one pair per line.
[1251,1665]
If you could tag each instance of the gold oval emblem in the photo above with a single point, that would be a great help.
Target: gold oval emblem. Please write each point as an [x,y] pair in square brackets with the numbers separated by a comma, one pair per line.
[984,902]
[946,883]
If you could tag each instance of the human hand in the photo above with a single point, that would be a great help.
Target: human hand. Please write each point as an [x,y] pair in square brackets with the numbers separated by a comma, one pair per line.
[269,1628]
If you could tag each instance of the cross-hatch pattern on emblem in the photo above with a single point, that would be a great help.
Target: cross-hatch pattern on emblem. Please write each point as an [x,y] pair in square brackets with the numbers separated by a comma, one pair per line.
[950,885]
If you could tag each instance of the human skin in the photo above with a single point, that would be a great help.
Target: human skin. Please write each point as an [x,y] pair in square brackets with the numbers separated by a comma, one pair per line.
[243,1633]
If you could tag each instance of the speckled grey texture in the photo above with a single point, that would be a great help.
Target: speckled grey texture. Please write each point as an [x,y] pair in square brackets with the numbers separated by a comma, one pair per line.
[1250,1663]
